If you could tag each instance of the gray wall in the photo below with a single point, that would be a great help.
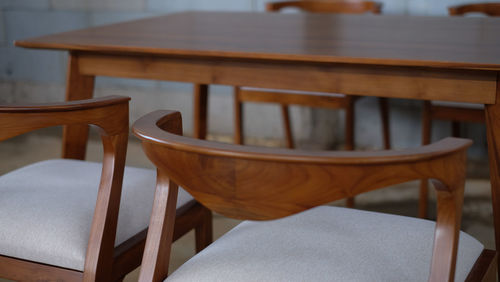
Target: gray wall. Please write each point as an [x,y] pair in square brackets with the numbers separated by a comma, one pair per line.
[35,75]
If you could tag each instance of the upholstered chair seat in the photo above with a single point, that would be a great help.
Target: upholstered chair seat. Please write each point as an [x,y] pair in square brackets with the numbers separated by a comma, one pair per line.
[48,208]
[326,244]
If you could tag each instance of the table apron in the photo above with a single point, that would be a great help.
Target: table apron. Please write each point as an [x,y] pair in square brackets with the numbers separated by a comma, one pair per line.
[472,86]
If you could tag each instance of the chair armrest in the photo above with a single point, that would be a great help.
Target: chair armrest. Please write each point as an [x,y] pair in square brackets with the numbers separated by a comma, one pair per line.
[276,6]
[19,119]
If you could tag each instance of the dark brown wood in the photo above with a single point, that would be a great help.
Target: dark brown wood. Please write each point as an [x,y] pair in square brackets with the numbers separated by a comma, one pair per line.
[314,6]
[204,231]
[237,181]
[287,126]
[238,117]
[490,9]
[22,270]
[200,109]
[485,268]
[492,115]
[384,113]
[161,230]
[78,87]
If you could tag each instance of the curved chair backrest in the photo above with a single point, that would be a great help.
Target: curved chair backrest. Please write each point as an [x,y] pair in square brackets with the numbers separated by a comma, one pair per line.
[339,7]
[268,183]
[264,183]
[490,9]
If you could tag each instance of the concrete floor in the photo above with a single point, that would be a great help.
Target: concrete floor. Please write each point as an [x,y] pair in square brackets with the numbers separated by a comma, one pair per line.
[400,199]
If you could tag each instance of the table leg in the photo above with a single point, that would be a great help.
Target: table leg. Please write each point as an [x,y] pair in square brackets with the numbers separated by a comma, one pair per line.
[200,110]
[493,135]
[78,87]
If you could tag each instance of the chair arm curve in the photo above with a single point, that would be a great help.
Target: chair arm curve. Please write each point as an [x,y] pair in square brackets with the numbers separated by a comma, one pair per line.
[65,106]
[110,114]
[147,128]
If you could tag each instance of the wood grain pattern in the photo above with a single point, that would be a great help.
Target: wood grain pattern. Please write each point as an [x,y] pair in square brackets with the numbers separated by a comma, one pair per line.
[354,39]
[261,183]
[395,82]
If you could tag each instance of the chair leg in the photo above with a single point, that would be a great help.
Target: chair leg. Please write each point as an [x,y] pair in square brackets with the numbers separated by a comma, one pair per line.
[287,127]
[384,114]
[426,139]
[455,129]
[204,231]
[238,117]
[349,137]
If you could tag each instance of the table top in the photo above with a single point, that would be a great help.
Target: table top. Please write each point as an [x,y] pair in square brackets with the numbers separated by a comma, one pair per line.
[448,42]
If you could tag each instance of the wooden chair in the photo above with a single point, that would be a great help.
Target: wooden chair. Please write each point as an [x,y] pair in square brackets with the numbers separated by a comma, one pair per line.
[452,111]
[312,99]
[290,236]
[59,218]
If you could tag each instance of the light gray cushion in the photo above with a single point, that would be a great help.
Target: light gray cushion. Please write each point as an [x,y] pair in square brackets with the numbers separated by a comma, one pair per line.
[46,209]
[325,244]
[458,105]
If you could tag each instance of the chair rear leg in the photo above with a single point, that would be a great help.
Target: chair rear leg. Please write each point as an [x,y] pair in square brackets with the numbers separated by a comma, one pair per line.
[384,115]
[238,117]
[287,126]
[349,137]
[204,231]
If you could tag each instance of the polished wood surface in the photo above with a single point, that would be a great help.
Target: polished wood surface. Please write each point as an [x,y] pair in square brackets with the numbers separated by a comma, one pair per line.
[321,6]
[264,184]
[354,39]
[490,9]
[312,99]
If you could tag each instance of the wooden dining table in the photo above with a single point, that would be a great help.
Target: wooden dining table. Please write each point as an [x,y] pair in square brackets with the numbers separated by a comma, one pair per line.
[427,58]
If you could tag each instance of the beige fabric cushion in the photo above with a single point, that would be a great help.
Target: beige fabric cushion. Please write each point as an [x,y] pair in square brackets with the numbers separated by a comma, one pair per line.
[46,209]
[458,105]
[325,244]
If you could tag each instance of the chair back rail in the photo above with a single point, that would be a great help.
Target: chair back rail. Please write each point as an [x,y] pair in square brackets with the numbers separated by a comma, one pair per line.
[340,7]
